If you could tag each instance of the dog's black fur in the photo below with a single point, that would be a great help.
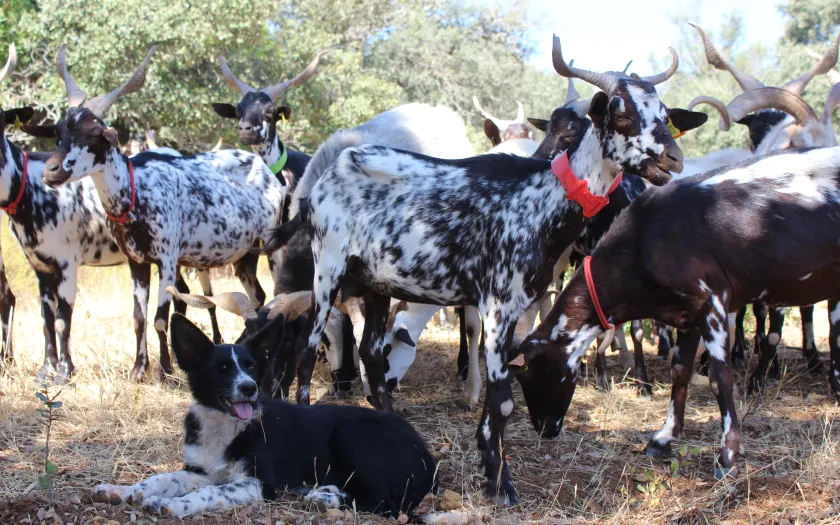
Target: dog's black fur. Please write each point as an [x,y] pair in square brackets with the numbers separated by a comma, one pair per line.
[236,453]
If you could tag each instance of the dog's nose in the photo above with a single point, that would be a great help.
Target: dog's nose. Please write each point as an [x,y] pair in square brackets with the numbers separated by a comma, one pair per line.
[248,389]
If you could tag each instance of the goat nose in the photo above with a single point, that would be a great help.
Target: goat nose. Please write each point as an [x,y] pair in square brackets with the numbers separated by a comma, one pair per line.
[244,127]
[52,167]
[248,389]
[674,160]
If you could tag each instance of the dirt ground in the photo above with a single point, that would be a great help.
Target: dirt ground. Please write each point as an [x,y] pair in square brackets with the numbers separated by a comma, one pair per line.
[111,430]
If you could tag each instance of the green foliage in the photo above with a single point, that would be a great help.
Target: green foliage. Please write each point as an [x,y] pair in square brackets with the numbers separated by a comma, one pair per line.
[48,415]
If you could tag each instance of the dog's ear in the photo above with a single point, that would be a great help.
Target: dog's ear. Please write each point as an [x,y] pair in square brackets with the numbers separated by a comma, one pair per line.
[264,343]
[190,345]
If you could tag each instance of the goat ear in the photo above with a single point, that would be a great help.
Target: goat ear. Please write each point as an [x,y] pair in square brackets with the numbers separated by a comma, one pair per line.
[492,132]
[284,112]
[189,344]
[523,357]
[540,124]
[41,132]
[265,342]
[112,136]
[685,120]
[598,108]
[224,110]
[18,116]
[746,121]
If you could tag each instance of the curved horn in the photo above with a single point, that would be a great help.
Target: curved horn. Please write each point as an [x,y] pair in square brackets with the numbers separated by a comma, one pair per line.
[232,80]
[604,81]
[520,113]
[218,145]
[291,305]
[276,90]
[75,95]
[718,62]
[525,323]
[825,64]
[626,67]
[668,73]
[725,121]
[9,68]
[833,74]
[501,124]
[608,339]
[233,302]
[768,97]
[100,105]
[831,104]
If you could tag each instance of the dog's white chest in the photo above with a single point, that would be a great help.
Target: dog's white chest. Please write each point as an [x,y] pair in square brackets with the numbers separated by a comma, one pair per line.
[217,432]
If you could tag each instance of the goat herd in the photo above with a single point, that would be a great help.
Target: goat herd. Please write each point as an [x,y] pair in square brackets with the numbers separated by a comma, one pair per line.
[391,221]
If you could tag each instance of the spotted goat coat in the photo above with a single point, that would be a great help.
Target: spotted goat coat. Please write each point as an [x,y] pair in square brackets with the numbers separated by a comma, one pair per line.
[204,211]
[763,229]
[484,231]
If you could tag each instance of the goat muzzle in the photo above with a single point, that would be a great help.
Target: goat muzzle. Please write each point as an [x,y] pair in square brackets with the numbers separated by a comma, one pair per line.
[54,173]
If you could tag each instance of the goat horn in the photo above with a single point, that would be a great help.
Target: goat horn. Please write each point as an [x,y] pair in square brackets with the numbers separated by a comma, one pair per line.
[571,93]
[9,68]
[525,323]
[276,90]
[100,105]
[520,112]
[668,73]
[608,339]
[218,145]
[725,121]
[501,124]
[604,81]
[75,95]
[833,74]
[291,305]
[825,64]
[626,67]
[718,62]
[232,80]
[769,97]
[831,103]
[233,302]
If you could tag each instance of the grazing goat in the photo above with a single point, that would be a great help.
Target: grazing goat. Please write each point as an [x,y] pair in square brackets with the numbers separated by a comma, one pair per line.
[778,118]
[202,211]
[740,233]
[240,447]
[484,231]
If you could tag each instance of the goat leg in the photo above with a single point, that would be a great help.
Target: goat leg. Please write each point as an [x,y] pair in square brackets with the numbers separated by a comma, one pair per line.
[207,289]
[7,309]
[141,276]
[767,352]
[809,347]
[47,287]
[833,335]
[167,272]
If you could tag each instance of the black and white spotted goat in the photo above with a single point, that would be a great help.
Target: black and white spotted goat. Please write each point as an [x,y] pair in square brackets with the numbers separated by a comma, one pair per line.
[240,447]
[202,211]
[484,231]
[741,232]
[778,119]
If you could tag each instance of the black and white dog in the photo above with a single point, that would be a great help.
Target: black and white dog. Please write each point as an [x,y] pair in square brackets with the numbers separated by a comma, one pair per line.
[240,447]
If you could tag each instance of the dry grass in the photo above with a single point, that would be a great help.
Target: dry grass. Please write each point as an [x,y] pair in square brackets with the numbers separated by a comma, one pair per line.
[113,430]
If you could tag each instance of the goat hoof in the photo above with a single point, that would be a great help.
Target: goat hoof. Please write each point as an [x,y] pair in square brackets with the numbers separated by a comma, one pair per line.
[645,391]
[722,472]
[137,374]
[815,366]
[506,497]
[657,450]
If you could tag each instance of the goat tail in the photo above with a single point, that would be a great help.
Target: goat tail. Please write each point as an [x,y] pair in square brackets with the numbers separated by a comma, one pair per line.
[281,235]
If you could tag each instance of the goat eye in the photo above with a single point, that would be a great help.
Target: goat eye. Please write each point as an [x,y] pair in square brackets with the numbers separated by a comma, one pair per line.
[224,367]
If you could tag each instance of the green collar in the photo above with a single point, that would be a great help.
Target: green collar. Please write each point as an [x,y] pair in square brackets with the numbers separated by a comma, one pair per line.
[281,163]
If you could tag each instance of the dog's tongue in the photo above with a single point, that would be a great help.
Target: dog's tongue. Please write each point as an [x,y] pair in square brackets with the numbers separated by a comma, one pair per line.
[243,410]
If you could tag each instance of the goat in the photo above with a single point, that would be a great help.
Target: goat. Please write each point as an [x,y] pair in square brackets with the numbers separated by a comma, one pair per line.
[240,447]
[484,231]
[778,118]
[201,211]
[742,232]
[500,131]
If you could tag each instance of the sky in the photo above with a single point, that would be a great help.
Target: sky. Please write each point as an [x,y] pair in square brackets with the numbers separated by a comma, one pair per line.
[604,34]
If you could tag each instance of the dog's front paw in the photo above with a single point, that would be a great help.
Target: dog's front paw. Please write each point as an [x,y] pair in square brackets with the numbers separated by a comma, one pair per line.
[106,493]
[158,506]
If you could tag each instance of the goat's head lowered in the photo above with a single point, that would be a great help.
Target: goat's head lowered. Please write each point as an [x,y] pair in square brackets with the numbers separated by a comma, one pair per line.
[10,117]
[630,120]
[499,130]
[84,140]
[258,111]
[778,118]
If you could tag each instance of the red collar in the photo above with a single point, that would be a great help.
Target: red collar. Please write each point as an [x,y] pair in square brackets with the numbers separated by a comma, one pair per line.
[590,285]
[124,218]
[11,208]
[578,190]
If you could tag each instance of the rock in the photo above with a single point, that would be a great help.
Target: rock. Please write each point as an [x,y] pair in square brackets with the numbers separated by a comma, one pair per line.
[447,518]
[450,500]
